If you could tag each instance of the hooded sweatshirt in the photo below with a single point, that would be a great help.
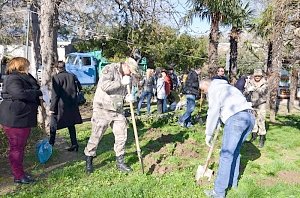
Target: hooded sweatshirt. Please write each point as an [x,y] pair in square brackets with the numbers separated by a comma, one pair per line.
[224,100]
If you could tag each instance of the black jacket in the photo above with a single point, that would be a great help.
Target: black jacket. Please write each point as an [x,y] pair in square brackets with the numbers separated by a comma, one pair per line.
[20,101]
[191,85]
[64,99]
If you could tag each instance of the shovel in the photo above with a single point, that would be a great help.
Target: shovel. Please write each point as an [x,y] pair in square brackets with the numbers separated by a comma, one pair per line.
[204,171]
[136,137]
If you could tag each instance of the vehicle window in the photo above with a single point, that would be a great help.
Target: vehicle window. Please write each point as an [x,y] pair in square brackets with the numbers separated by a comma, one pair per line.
[70,59]
[86,61]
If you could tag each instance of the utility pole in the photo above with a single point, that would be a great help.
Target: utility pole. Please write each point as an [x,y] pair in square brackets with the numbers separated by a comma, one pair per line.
[27,28]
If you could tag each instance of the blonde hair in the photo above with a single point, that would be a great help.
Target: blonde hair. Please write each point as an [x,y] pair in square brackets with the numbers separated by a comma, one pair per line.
[18,64]
[149,73]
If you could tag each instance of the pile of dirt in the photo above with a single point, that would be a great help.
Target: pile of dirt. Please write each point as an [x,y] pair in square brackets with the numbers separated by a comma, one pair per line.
[156,162]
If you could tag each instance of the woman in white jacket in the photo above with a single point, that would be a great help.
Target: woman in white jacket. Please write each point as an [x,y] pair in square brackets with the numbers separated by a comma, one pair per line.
[161,93]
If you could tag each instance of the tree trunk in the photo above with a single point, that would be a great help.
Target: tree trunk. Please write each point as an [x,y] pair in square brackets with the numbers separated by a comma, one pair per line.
[293,86]
[49,27]
[269,58]
[36,34]
[233,39]
[213,45]
[278,30]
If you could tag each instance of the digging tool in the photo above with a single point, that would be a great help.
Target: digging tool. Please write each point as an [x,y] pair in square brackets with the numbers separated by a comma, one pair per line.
[136,137]
[204,171]
[200,108]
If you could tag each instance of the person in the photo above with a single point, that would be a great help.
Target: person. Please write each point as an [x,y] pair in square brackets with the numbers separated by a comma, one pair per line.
[191,92]
[168,88]
[173,97]
[256,90]
[64,107]
[228,104]
[220,74]
[18,113]
[108,110]
[174,78]
[241,82]
[161,93]
[148,84]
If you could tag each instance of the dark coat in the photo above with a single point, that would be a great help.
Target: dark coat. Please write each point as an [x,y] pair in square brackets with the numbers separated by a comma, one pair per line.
[20,101]
[64,99]
[240,83]
[191,85]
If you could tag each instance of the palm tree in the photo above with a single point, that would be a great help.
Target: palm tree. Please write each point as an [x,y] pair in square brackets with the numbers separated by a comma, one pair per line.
[263,27]
[215,12]
[237,19]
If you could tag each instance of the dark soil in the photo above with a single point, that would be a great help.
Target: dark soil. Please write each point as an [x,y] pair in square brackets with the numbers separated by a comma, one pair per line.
[156,162]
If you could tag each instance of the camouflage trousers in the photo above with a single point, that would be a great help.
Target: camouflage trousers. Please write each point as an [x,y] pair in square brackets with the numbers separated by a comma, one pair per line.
[260,120]
[101,119]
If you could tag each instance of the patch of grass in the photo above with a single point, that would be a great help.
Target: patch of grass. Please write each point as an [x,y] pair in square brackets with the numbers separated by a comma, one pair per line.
[258,176]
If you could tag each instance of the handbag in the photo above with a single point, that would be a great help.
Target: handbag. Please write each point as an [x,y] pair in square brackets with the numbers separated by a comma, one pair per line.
[80,95]
[80,98]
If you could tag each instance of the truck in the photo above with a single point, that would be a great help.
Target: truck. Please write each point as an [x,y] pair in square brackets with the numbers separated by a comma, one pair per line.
[88,66]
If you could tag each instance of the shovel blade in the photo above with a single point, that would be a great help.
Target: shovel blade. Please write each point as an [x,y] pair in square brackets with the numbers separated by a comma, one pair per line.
[203,172]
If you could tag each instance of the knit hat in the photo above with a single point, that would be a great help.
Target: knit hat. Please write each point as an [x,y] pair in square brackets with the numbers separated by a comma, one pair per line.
[258,72]
[134,68]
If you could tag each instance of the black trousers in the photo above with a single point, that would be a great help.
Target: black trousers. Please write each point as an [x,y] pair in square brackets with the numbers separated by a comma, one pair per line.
[53,129]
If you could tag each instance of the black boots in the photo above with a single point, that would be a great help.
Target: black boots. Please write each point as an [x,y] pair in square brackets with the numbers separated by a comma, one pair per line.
[253,137]
[262,139]
[27,179]
[121,165]
[73,148]
[89,164]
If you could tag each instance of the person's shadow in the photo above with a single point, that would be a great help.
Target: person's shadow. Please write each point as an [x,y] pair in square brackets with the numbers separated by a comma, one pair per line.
[249,152]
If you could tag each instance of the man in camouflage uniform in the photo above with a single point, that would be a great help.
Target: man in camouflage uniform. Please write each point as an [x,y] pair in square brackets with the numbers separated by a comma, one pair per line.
[256,91]
[108,110]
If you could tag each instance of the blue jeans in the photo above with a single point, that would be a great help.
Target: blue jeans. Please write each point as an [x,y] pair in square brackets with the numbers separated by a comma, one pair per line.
[165,105]
[236,130]
[143,95]
[190,106]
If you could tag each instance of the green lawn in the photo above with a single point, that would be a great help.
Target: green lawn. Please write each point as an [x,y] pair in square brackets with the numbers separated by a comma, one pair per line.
[172,155]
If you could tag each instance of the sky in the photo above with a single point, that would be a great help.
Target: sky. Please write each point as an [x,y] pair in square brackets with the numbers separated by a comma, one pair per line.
[198,27]
[202,27]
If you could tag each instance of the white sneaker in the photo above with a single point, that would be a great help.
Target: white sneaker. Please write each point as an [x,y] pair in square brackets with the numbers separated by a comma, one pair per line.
[189,125]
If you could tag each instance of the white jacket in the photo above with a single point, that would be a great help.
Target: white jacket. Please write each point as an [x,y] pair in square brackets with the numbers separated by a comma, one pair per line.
[160,88]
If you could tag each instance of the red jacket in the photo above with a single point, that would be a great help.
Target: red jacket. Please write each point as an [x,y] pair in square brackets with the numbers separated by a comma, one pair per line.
[168,84]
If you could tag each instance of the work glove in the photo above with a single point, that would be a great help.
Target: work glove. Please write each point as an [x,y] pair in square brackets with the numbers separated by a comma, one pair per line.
[126,80]
[208,140]
[129,98]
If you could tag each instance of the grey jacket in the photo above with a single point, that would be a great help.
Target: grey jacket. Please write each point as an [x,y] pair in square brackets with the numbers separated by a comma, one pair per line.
[224,100]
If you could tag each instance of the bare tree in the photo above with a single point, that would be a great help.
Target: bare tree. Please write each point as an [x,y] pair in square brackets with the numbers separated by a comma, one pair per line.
[281,15]
[49,27]
[36,32]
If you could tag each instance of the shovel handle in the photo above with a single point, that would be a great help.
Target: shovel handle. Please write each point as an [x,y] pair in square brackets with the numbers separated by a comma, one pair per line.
[136,137]
[211,150]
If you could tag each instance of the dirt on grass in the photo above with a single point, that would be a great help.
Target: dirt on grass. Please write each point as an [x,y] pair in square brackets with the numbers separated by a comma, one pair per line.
[288,177]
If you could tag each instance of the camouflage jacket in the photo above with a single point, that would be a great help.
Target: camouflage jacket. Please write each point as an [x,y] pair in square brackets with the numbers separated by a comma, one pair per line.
[256,93]
[110,92]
